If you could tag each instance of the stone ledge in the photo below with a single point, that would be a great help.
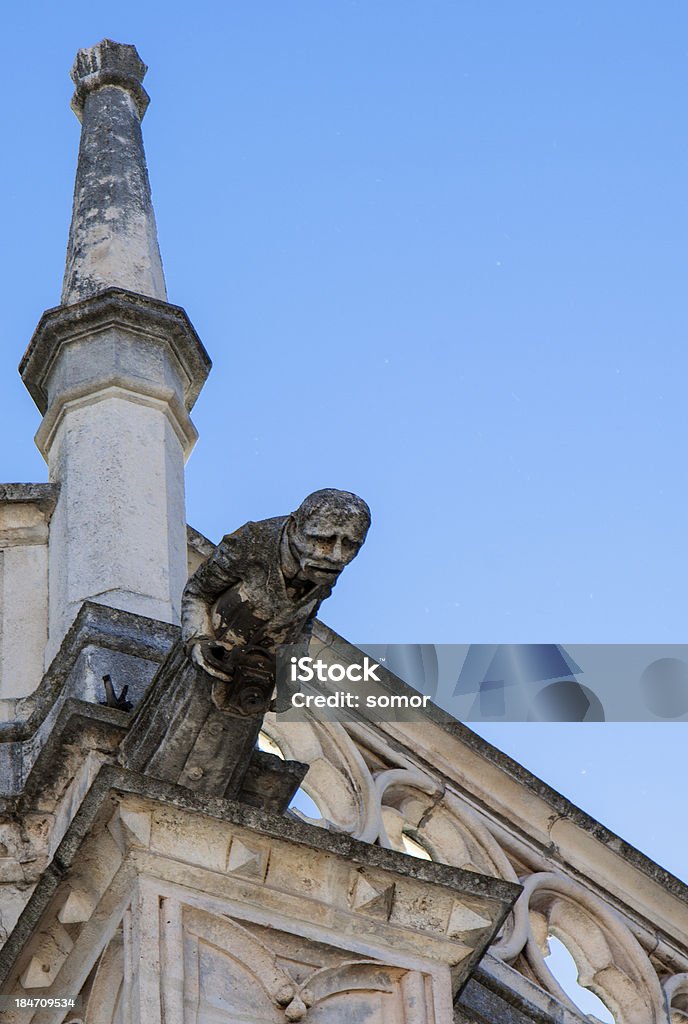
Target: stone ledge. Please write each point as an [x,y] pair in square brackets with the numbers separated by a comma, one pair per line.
[99,635]
[76,720]
[95,625]
[113,786]
[116,780]
[42,495]
[113,307]
[25,514]
[497,992]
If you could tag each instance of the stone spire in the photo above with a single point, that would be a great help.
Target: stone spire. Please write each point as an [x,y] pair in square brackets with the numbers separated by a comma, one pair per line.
[113,240]
[115,371]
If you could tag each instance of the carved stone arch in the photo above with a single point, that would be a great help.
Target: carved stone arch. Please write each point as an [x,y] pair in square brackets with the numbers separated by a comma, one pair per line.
[380,805]
[610,960]
[338,779]
[676,995]
[351,796]
[453,833]
[458,837]
[403,796]
[338,990]
[228,969]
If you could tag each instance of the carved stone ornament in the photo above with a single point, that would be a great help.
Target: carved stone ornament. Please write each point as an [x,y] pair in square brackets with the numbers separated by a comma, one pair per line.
[262,587]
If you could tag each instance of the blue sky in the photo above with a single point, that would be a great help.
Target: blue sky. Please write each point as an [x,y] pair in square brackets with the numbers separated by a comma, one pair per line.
[437,253]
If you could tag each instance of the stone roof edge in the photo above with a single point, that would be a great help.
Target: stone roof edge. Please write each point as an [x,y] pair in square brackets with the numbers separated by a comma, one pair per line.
[557,801]
[114,306]
[72,719]
[112,780]
[519,992]
[94,624]
[199,542]
[43,495]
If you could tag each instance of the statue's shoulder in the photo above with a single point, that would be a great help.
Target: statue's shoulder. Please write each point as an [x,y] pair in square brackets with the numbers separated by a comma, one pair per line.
[254,541]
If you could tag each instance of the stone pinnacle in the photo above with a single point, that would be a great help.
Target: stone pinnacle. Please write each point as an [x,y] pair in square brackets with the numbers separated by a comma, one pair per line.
[113,241]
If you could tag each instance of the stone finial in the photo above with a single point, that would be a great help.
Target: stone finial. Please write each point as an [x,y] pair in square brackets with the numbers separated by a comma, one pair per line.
[109,63]
[113,241]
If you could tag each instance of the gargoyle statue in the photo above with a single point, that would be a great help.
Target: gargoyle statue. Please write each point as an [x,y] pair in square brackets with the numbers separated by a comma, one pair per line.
[262,587]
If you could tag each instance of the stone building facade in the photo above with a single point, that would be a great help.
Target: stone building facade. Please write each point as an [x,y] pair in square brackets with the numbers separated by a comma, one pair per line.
[429,888]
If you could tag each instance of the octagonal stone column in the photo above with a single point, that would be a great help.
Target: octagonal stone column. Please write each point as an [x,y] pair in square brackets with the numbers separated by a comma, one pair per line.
[115,376]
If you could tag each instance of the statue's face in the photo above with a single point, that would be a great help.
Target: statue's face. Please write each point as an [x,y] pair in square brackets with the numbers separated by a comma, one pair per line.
[323,544]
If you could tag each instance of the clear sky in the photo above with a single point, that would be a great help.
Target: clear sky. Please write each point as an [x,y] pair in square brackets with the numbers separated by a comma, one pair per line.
[437,252]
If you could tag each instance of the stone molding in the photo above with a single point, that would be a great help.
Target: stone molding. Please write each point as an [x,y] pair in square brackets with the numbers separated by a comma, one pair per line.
[141,315]
[25,512]
[95,626]
[161,399]
[43,496]
[109,63]
[491,782]
[427,782]
[497,992]
[331,884]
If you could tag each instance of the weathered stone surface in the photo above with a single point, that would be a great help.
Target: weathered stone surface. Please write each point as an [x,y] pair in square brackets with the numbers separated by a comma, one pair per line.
[270,783]
[115,370]
[447,827]
[260,587]
[187,875]
[115,376]
[497,995]
[113,238]
[562,833]
[101,640]
[371,898]
[45,965]
[198,549]
[173,355]
[156,900]
[108,63]
[77,908]
[25,512]
[179,735]
[263,585]
[43,496]
[246,860]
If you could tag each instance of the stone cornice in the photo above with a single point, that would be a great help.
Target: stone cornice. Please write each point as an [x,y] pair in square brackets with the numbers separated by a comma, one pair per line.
[114,307]
[44,496]
[113,785]
[25,512]
[109,63]
[95,625]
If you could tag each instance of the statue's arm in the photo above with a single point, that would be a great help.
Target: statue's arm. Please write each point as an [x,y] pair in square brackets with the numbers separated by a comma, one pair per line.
[211,579]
